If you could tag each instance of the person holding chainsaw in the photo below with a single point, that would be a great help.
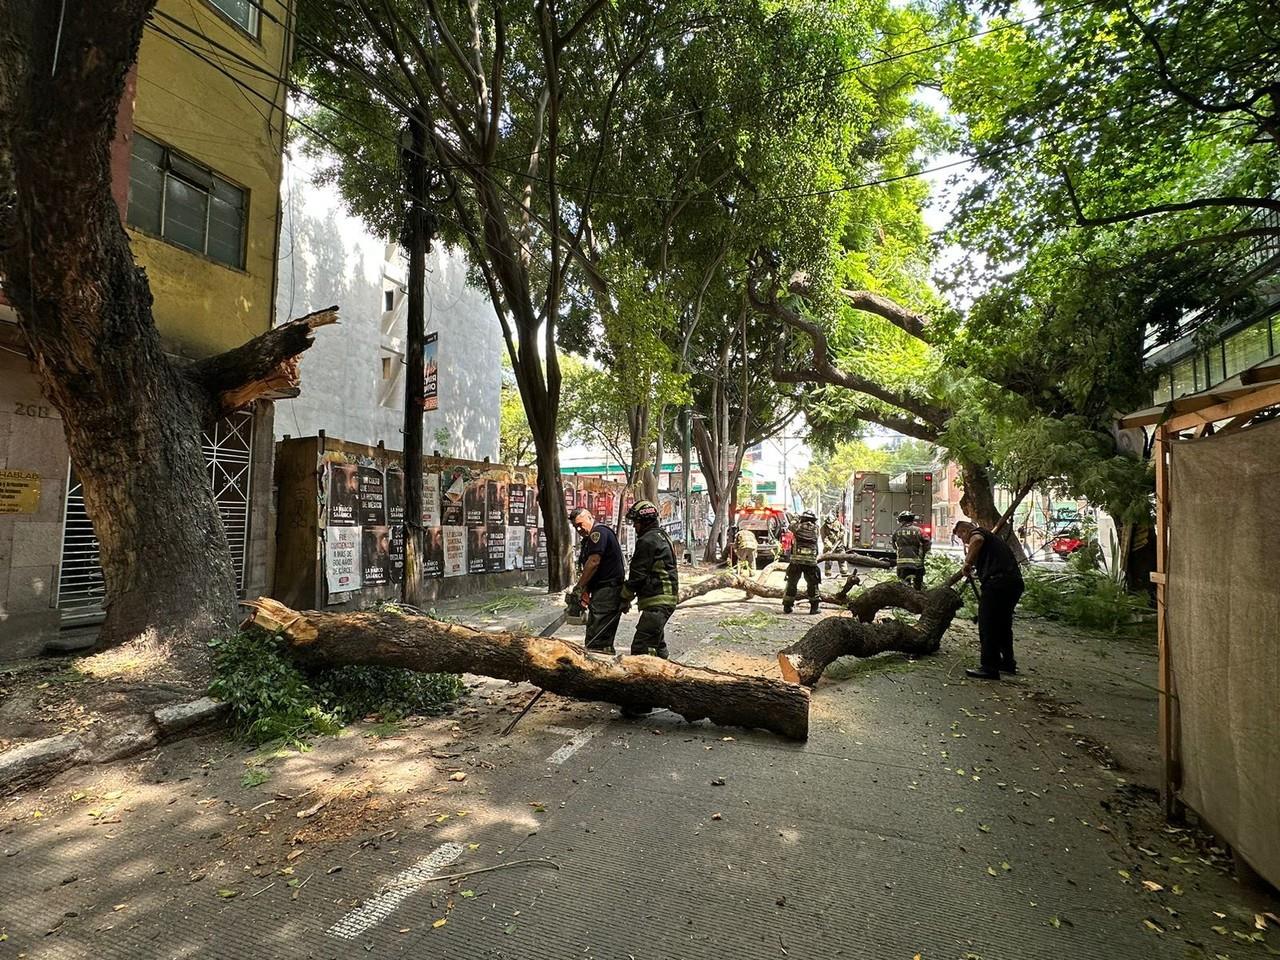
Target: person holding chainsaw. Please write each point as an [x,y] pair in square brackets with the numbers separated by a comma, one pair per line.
[653,581]
[599,586]
[987,555]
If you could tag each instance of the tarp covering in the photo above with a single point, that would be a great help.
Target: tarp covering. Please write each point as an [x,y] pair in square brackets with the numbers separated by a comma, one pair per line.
[1224,635]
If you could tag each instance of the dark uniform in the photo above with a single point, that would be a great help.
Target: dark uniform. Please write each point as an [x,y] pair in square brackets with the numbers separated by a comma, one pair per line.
[804,561]
[605,587]
[1002,586]
[655,586]
[911,546]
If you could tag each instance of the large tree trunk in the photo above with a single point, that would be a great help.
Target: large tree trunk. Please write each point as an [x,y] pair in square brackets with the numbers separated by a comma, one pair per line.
[431,646]
[752,588]
[132,416]
[978,502]
[834,637]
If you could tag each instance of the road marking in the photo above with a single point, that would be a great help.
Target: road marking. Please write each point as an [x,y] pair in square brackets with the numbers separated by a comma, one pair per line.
[564,731]
[374,911]
[580,739]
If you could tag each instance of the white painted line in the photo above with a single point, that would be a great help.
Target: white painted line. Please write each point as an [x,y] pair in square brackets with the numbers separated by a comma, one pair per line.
[374,911]
[580,739]
[564,731]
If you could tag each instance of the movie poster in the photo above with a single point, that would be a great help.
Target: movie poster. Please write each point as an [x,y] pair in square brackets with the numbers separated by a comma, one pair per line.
[431,500]
[477,549]
[453,495]
[376,554]
[473,509]
[604,510]
[530,548]
[515,548]
[431,369]
[496,539]
[433,553]
[542,549]
[342,558]
[373,498]
[531,508]
[496,515]
[454,552]
[570,495]
[344,494]
[516,494]
[395,495]
[396,560]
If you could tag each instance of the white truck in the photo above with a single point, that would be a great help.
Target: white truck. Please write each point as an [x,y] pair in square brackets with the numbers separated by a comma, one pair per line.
[874,501]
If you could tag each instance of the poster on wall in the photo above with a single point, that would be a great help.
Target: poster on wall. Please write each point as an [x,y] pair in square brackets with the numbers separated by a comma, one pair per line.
[342,564]
[376,555]
[530,548]
[477,549]
[395,573]
[431,500]
[542,549]
[496,540]
[605,510]
[454,553]
[344,494]
[570,495]
[373,497]
[473,509]
[395,495]
[515,548]
[516,499]
[452,511]
[433,554]
[496,515]
[431,368]
[531,508]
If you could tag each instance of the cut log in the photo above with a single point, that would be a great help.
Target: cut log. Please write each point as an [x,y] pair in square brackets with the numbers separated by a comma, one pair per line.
[857,559]
[749,586]
[431,646]
[804,661]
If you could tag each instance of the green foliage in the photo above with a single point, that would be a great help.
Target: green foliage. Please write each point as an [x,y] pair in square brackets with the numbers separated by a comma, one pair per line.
[1089,599]
[273,698]
[515,439]
[254,777]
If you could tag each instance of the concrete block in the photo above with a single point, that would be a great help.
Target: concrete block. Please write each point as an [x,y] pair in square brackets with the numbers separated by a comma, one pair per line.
[35,542]
[180,716]
[30,588]
[39,759]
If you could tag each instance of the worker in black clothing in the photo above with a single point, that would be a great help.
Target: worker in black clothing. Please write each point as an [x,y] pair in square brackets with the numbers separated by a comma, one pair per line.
[990,558]
[653,582]
[804,562]
[601,564]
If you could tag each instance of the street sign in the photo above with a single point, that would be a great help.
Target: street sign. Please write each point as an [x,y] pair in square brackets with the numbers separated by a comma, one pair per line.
[766,486]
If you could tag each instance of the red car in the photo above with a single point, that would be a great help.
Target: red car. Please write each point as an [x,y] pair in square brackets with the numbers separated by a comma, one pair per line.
[1066,545]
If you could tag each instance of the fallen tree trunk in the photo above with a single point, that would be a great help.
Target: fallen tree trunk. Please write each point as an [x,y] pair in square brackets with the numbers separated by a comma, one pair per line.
[752,588]
[804,661]
[857,559]
[431,646]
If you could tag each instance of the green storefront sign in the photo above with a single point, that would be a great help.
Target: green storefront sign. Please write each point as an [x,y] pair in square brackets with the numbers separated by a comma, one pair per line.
[767,486]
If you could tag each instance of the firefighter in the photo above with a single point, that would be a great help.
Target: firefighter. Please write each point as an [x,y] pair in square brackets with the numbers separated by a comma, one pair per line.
[602,566]
[804,561]
[911,545]
[745,546]
[652,581]
[832,541]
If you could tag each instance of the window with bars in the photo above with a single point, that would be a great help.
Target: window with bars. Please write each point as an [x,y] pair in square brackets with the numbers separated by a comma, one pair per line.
[228,453]
[185,203]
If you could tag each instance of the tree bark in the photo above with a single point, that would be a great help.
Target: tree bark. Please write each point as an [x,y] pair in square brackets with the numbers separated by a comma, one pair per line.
[978,502]
[431,646]
[132,417]
[805,660]
[752,588]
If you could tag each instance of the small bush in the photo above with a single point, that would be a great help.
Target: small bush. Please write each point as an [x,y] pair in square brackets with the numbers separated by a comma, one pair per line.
[273,698]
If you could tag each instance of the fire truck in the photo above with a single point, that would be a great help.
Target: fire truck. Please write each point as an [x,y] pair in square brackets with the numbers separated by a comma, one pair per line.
[876,499]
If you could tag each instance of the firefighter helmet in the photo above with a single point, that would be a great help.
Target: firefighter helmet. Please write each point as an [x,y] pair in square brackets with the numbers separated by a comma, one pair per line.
[906,516]
[809,515]
[642,511]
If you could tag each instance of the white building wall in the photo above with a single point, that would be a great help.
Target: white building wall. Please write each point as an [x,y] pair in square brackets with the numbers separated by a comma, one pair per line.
[353,376]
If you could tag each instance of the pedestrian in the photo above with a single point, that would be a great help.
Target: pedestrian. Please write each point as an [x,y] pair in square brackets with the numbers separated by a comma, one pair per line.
[911,546]
[990,558]
[745,546]
[600,581]
[652,581]
[833,542]
[804,562]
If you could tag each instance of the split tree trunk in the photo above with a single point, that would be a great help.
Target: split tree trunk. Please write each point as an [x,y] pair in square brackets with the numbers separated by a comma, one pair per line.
[421,643]
[978,502]
[834,637]
[752,588]
[132,416]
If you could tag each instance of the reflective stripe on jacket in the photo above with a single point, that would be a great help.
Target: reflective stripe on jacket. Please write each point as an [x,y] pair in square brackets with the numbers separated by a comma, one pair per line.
[911,544]
[653,580]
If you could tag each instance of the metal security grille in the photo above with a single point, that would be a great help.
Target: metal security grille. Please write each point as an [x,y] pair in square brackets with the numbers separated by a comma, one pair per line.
[228,454]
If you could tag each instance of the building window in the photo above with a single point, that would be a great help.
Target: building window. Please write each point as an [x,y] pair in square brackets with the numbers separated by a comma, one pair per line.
[243,13]
[1184,377]
[386,368]
[185,203]
[1247,347]
[1163,392]
[390,296]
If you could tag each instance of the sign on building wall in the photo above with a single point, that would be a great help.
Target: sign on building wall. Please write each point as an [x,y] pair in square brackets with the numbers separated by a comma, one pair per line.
[455,551]
[433,561]
[344,494]
[431,362]
[19,491]
[342,561]
[431,500]
[453,497]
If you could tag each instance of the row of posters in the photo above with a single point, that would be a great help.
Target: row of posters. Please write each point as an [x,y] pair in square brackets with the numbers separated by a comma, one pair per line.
[477,521]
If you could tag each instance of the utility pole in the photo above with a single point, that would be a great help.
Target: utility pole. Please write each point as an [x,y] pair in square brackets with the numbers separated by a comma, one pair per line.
[419,226]
[686,466]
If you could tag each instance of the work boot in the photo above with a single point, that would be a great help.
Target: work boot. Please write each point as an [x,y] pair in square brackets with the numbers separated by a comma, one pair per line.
[813,607]
[981,674]
[786,608]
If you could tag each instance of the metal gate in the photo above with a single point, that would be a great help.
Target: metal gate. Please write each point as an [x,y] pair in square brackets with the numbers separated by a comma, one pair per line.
[228,453]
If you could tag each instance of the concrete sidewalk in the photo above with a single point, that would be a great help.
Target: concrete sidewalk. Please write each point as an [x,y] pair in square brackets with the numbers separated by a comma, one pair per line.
[927,815]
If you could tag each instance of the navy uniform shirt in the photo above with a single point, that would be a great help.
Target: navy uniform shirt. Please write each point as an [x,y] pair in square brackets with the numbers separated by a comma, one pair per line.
[603,541]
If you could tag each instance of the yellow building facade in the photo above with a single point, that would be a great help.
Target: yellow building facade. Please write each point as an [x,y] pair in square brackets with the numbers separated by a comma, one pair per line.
[197,165]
